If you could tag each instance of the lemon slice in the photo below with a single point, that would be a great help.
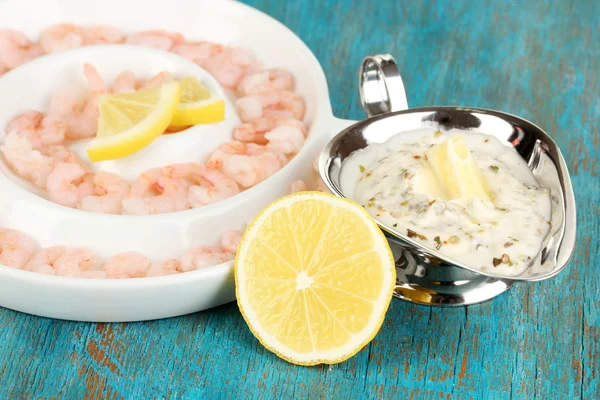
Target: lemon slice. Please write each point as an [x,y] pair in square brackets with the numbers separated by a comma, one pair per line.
[198,105]
[128,122]
[455,169]
[314,278]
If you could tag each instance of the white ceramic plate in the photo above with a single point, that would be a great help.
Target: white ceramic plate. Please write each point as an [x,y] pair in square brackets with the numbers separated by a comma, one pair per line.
[157,236]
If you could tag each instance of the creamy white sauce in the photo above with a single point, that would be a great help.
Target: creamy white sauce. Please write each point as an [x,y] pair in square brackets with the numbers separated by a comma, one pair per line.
[393,182]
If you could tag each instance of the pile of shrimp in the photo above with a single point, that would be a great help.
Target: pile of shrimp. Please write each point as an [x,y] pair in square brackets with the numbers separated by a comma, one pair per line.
[18,250]
[36,143]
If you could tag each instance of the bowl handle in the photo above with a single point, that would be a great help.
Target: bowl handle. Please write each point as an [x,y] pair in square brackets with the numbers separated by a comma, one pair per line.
[381,86]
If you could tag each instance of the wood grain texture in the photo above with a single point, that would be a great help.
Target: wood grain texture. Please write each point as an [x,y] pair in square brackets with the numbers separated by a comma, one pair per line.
[538,59]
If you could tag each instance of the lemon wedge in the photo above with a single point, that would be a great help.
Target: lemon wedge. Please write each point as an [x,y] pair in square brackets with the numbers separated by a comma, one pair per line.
[128,122]
[198,105]
[455,170]
[314,278]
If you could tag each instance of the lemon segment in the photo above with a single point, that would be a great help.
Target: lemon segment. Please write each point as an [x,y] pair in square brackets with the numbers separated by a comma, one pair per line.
[198,105]
[455,170]
[128,122]
[314,278]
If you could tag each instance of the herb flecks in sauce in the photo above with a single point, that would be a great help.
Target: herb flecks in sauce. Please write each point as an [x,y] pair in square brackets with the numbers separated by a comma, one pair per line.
[494,168]
[412,234]
[362,168]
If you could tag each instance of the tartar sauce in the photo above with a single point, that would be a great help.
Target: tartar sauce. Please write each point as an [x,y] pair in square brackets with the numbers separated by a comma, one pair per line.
[503,235]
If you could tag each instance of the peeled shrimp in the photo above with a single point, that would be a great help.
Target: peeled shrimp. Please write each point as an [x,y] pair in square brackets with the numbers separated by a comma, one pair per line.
[16,49]
[156,192]
[156,81]
[266,81]
[230,65]
[68,184]
[77,262]
[25,161]
[127,265]
[109,191]
[167,267]
[284,135]
[157,39]
[204,256]
[231,240]
[103,34]
[198,52]
[211,186]
[298,186]
[270,104]
[80,112]
[125,82]
[60,153]
[62,37]
[15,248]
[40,129]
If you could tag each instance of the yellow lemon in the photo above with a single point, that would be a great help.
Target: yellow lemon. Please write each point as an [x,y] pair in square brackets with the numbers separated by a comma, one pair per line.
[314,278]
[198,105]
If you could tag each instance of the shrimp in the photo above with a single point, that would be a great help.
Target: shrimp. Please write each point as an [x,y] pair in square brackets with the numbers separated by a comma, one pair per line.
[103,34]
[78,262]
[298,186]
[247,165]
[155,192]
[109,191]
[156,81]
[68,184]
[62,37]
[156,39]
[127,265]
[125,82]
[25,161]
[16,49]
[16,248]
[198,52]
[60,153]
[231,240]
[80,112]
[43,260]
[40,129]
[270,104]
[230,65]
[266,81]
[167,267]
[212,186]
[204,256]
[255,131]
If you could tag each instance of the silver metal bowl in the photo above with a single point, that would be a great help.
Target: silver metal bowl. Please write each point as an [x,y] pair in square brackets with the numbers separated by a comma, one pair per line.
[426,276]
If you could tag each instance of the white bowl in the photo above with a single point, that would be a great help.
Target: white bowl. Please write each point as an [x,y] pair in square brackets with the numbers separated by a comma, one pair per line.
[163,235]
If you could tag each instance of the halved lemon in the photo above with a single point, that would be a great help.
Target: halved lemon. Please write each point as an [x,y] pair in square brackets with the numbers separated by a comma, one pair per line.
[128,122]
[314,278]
[198,105]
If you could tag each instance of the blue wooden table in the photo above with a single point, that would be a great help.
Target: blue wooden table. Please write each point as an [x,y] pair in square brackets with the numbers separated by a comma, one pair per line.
[538,59]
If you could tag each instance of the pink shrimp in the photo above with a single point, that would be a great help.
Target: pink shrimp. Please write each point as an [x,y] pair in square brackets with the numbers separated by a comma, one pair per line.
[284,135]
[167,267]
[211,186]
[68,184]
[198,52]
[127,265]
[41,130]
[270,104]
[62,37]
[230,65]
[204,256]
[157,39]
[156,81]
[16,49]
[125,82]
[109,191]
[103,34]
[80,112]
[266,81]
[78,262]
[43,260]
[25,161]
[155,192]
[60,153]
[231,240]
[298,186]
[16,248]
